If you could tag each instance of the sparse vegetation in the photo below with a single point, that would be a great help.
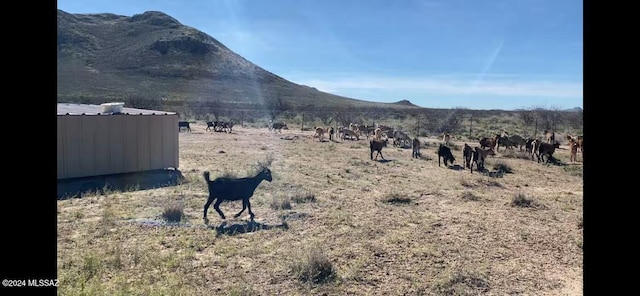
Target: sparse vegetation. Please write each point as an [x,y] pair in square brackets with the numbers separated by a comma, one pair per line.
[502,167]
[173,213]
[313,266]
[467,195]
[521,200]
[395,198]
[377,225]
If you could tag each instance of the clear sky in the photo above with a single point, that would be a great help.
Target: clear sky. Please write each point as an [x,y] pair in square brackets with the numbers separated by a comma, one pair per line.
[475,54]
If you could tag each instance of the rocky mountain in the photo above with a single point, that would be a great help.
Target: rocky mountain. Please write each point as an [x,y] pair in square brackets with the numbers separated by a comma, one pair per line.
[152,57]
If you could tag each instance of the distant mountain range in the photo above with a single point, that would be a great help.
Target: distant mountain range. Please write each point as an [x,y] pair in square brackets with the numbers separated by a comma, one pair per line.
[153,59]
[153,56]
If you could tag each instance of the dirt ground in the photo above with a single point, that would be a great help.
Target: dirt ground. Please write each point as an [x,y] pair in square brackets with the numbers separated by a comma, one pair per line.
[402,226]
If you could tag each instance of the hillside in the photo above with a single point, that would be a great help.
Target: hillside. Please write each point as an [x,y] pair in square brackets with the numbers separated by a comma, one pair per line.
[153,56]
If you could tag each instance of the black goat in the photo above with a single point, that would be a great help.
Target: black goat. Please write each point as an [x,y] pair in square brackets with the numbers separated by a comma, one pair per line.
[547,149]
[467,156]
[416,148]
[445,153]
[226,188]
[184,124]
[376,145]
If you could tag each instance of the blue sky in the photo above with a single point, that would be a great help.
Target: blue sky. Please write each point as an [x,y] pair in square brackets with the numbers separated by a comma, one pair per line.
[498,54]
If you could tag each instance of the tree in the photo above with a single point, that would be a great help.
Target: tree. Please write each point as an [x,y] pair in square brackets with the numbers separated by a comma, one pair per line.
[528,117]
[275,107]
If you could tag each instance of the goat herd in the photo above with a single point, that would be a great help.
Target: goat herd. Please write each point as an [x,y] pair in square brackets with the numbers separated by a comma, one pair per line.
[226,188]
[541,149]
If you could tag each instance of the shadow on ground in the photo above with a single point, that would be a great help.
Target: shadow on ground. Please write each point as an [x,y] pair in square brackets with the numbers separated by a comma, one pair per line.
[248,226]
[75,187]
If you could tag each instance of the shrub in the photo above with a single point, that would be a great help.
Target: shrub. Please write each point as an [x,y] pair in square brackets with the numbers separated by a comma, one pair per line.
[304,197]
[281,203]
[314,267]
[520,200]
[173,213]
[502,167]
[395,198]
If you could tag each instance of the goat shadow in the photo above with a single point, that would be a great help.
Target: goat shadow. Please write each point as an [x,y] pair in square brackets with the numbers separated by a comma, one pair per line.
[75,187]
[382,160]
[248,226]
[456,167]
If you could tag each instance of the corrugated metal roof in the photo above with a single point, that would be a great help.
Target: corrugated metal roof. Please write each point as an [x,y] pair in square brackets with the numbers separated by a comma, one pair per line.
[87,109]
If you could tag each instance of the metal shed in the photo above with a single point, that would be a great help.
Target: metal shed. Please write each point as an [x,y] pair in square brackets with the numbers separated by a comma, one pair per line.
[106,139]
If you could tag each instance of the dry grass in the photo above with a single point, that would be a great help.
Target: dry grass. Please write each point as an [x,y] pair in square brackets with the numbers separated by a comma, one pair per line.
[400,227]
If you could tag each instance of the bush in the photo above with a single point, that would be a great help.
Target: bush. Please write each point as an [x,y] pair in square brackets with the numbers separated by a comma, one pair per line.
[520,200]
[173,213]
[314,267]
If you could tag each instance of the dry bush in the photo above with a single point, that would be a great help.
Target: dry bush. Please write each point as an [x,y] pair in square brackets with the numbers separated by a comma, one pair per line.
[303,197]
[395,198]
[521,200]
[502,167]
[463,284]
[313,266]
[512,153]
[173,213]
[468,195]
[283,203]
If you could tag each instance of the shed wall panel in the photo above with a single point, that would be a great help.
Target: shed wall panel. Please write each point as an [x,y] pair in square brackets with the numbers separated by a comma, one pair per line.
[72,143]
[130,147]
[88,144]
[102,143]
[170,153]
[116,144]
[142,127]
[155,141]
[60,147]
[93,145]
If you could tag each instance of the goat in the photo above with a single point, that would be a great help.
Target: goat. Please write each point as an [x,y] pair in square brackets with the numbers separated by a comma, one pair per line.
[504,141]
[375,145]
[467,156]
[400,138]
[231,189]
[184,124]
[489,142]
[350,133]
[228,126]
[377,134]
[573,149]
[415,145]
[210,125]
[550,136]
[517,141]
[547,149]
[479,155]
[445,138]
[331,133]
[278,126]
[445,153]
[319,133]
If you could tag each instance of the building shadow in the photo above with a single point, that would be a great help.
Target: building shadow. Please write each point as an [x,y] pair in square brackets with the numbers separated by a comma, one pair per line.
[247,226]
[75,187]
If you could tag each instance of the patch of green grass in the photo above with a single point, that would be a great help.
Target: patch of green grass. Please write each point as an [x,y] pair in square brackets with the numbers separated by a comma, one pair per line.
[313,266]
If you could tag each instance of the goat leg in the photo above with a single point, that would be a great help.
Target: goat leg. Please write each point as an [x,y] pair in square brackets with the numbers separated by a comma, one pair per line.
[217,207]
[244,207]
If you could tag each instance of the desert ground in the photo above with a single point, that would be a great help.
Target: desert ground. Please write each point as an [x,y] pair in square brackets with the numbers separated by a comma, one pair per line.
[332,222]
